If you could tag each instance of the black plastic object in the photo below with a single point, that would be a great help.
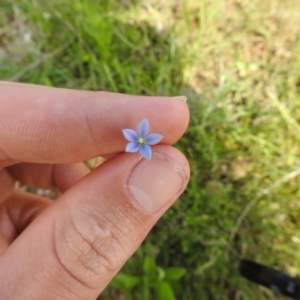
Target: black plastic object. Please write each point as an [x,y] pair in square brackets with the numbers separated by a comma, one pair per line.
[277,281]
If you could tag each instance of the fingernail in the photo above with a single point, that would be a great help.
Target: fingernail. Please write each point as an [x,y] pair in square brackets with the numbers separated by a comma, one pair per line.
[153,183]
[181,98]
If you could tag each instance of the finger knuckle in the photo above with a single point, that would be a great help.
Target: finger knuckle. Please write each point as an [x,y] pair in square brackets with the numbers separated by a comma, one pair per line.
[93,246]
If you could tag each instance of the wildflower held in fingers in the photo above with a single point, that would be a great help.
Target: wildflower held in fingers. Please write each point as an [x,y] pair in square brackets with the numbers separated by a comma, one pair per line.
[141,140]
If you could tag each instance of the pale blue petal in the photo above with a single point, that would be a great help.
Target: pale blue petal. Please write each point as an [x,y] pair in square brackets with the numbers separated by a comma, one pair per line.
[132,147]
[153,138]
[146,151]
[143,128]
[130,135]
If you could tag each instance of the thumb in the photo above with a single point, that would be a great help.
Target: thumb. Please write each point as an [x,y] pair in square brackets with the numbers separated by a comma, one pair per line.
[74,248]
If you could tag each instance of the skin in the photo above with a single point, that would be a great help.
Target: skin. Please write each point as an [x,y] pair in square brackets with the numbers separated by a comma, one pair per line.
[71,248]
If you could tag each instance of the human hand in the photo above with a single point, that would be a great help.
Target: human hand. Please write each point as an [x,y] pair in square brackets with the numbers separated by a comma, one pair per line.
[72,247]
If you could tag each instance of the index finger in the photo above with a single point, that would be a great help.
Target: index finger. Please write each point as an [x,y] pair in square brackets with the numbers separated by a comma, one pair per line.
[50,125]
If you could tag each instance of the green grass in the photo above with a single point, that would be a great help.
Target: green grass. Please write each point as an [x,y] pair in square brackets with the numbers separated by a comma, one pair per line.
[239,64]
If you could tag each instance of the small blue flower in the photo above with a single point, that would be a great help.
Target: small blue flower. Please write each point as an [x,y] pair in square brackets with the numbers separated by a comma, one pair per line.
[141,140]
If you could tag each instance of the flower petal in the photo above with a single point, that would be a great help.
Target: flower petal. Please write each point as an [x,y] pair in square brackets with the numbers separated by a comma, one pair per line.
[146,151]
[130,135]
[132,147]
[143,128]
[153,138]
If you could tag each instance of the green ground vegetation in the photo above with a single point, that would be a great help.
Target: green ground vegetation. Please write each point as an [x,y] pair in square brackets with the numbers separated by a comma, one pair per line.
[238,62]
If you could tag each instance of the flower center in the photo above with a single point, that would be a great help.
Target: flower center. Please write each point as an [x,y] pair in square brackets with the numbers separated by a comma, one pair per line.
[141,141]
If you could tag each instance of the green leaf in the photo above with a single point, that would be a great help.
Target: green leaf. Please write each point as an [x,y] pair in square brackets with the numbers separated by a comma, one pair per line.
[174,273]
[161,273]
[164,291]
[124,282]
[149,266]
